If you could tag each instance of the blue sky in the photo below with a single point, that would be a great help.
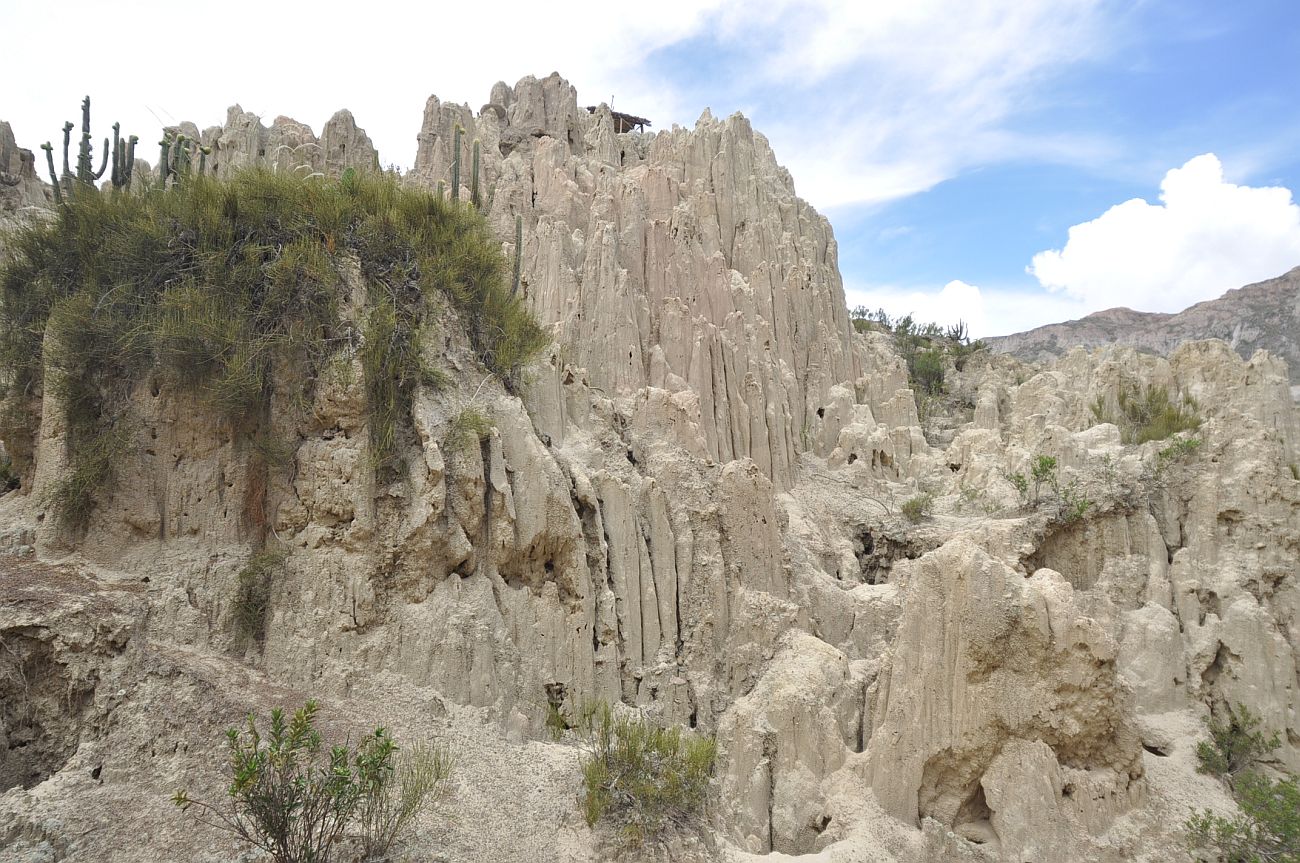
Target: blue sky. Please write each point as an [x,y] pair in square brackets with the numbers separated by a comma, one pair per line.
[974,156]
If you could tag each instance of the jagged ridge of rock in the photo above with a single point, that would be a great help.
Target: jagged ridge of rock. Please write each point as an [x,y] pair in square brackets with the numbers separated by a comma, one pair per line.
[1262,316]
[693,509]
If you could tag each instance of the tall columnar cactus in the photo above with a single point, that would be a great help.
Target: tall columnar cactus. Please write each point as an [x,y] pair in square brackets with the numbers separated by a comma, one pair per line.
[442,190]
[474,197]
[519,254]
[86,173]
[67,142]
[54,178]
[121,156]
[455,163]
[164,160]
[124,158]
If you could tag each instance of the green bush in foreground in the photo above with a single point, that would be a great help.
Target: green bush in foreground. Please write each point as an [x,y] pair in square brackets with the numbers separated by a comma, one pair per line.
[1235,744]
[228,288]
[1267,830]
[642,779]
[291,797]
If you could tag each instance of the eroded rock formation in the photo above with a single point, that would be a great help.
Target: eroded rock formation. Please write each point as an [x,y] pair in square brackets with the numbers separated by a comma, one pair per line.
[692,508]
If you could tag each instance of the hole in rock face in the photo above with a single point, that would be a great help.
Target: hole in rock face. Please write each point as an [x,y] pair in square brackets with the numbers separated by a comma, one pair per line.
[41,707]
[1158,751]
[877,552]
[821,413]
[853,457]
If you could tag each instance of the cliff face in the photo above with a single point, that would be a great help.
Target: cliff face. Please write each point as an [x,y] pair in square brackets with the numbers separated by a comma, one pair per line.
[694,509]
[1262,316]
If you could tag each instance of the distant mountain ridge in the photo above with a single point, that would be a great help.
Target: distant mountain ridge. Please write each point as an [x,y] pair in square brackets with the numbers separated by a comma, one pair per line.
[1263,315]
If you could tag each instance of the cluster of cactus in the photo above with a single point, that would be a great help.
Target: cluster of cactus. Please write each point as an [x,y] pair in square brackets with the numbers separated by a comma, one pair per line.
[476,196]
[123,157]
[176,158]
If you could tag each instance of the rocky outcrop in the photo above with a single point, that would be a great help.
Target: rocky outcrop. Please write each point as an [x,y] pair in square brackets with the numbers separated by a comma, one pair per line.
[1263,316]
[286,145]
[20,186]
[694,508]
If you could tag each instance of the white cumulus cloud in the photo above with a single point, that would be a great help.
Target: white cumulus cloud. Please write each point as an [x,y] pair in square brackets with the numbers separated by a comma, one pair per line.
[1204,237]
[987,312]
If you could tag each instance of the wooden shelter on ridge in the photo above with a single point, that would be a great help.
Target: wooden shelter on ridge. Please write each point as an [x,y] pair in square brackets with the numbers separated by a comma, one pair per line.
[623,122]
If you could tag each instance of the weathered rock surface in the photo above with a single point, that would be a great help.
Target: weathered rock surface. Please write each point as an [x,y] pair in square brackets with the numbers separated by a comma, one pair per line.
[19,184]
[693,509]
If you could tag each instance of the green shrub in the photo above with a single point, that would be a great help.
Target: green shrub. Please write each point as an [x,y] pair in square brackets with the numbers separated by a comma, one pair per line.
[393,793]
[1043,471]
[1146,414]
[287,796]
[1266,831]
[925,348]
[641,779]
[253,594]
[918,508]
[1181,448]
[1235,744]
[221,286]
[294,799]
[1075,504]
[926,371]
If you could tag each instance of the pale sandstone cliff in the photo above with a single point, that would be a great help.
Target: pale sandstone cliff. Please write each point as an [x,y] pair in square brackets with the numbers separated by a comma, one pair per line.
[693,509]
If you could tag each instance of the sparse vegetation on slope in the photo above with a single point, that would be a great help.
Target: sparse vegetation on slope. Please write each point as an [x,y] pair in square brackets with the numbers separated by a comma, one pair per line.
[642,779]
[253,594]
[1148,413]
[918,508]
[221,287]
[926,348]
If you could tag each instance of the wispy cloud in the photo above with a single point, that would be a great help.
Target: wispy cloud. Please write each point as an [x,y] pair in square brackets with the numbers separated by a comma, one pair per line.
[865,102]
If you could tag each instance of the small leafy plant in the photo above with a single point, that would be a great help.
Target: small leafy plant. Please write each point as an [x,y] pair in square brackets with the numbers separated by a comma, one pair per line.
[1266,831]
[1043,471]
[1075,503]
[1021,484]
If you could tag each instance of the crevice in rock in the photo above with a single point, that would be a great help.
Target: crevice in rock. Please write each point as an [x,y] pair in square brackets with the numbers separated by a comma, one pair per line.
[877,552]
